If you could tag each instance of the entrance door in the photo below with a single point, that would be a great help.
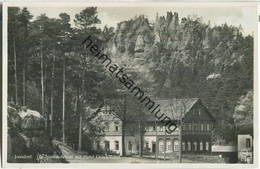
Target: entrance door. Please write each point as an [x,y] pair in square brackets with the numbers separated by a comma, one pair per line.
[107,146]
[154,147]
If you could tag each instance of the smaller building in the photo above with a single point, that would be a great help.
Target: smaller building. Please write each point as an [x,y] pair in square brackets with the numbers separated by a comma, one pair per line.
[245,148]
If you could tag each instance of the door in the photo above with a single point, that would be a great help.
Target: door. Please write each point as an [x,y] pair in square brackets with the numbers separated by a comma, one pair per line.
[154,147]
[107,146]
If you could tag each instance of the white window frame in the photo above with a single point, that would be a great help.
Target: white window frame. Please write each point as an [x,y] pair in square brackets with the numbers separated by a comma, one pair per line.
[176,147]
[201,127]
[146,145]
[208,127]
[195,145]
[116,145]
[183,146]
[207,146]
[168,145]
[189,146]
[161,146]
[190,126]
[161,128]
[201,146]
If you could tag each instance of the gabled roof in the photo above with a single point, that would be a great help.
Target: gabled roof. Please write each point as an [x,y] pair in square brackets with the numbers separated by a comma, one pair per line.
[174,108]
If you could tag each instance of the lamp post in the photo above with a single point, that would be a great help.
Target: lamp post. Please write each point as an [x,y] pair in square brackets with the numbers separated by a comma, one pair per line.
[180,141]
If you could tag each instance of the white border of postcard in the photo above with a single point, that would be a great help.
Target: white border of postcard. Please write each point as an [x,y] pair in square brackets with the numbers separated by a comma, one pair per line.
[127,165]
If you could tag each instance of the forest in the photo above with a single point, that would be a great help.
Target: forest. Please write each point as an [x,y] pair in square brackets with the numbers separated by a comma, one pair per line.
[50,71]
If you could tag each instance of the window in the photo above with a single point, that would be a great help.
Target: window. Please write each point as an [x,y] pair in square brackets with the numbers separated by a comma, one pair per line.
[207,146]
[161,128]
[116,126]
[195,126]
[169,145]
[130,146]
[199,112]
[195,146]
[190,126]
[201,146]
[161,147]
[116,145]
[146,145]
[201,127]
[248,143]
[183,146]
[107,126]
[208,127]
[189,146]
[154,127]
[176,145]
[183,128]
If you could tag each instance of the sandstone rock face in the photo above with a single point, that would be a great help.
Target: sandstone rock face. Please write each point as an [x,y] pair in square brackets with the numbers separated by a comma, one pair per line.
[133,35]
[139,43]
[157,50]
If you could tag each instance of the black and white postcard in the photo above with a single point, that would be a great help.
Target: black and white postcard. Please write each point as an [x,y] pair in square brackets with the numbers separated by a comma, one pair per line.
[145,83]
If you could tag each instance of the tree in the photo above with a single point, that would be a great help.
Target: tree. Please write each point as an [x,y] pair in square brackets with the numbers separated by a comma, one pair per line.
[87,18]
[87,68]
[66,37]
[13,25]
[243,114]
[24,17]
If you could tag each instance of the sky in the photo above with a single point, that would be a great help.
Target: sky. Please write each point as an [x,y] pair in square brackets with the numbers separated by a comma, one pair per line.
[236,14]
